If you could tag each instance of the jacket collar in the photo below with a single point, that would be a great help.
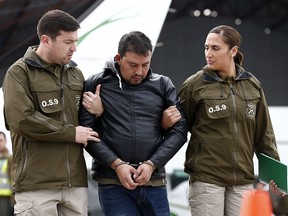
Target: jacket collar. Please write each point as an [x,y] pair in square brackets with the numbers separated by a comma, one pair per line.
[211,76]
[111,66]
[34,60]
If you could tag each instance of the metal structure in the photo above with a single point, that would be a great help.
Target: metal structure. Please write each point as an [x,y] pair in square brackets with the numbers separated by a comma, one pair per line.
[271,14]
[18,21]
[18,18]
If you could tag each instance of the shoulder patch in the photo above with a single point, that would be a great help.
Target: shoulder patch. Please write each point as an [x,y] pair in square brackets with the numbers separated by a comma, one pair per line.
[251,110]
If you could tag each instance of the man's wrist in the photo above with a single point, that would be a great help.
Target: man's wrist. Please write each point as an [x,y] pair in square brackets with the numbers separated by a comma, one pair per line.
[98,114]
[116,163]
[119,164]
[150,163]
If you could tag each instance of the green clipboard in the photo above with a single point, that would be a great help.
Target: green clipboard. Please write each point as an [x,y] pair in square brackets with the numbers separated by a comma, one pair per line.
[271,169]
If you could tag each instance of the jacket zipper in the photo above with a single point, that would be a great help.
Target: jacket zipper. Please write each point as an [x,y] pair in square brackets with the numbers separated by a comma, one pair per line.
[26,156]
[234,119]
[133,122]
[24,164]
[65,120]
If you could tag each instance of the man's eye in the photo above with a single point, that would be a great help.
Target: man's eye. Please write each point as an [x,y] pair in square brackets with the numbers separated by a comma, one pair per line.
[68,42]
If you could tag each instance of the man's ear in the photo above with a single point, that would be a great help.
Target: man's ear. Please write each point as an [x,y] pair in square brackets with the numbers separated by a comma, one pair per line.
[117,57]
[44,39]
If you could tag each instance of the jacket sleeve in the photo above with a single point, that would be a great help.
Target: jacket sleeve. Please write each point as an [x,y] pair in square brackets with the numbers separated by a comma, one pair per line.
[265,141]
[99,151]
[187,101]
[21,115]
[176,136]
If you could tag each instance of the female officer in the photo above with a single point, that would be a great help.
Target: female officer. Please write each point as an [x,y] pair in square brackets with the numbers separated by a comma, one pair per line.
[228,120]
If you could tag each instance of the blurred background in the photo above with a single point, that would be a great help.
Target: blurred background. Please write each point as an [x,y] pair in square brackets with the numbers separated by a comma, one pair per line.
[179,49]
[178,30]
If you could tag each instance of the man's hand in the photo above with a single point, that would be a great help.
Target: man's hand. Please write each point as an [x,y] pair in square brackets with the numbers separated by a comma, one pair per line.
[143,174]
[84,134]
[170,116]
[125,174]
[93,102]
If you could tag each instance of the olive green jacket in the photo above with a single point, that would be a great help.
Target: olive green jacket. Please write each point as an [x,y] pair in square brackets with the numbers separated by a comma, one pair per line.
[41,103]
[228,123]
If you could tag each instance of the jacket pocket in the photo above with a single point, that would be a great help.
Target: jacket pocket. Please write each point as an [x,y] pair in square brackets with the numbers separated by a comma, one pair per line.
[216,102]
[75,92]
[21,162]
[75,86]
[216,109]
[251,98]
[192,153]
[48,97]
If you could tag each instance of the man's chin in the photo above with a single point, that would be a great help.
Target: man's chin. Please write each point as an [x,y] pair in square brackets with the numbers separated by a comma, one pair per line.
[66,62]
